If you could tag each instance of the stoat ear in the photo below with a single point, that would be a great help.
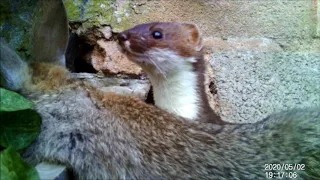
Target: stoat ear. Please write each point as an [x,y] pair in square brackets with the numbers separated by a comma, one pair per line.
[194,35]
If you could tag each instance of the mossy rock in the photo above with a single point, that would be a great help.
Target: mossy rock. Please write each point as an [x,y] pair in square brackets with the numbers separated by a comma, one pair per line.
[35,29]
[97,13]
[16,24]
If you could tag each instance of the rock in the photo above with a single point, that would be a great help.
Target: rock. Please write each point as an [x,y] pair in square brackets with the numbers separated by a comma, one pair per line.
[216,45]
[52,171]
[223,21]
[85,15]
[78,55]
[134,87]
[107,58]
[252,85]
[106,31]
[209,84]
[97,30]
[36,30]
[16,25]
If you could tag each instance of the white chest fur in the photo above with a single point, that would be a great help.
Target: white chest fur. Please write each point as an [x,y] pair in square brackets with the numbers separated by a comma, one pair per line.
[175,90]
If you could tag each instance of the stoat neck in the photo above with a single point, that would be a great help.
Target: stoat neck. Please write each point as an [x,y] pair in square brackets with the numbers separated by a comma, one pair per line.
[177,92]
[182,92]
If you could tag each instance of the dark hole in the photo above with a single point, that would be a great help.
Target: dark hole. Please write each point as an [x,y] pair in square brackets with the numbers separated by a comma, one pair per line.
[77,55]
[213,88]
[150,99]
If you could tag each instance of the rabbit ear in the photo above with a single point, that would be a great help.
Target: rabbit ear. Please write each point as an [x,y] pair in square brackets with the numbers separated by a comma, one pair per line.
[50,32]
[194,35]
[14,72]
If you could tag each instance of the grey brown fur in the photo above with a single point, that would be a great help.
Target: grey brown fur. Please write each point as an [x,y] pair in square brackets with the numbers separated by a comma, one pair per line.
[97,142]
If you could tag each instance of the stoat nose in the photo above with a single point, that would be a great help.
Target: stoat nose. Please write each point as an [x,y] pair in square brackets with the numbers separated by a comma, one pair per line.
[122,37]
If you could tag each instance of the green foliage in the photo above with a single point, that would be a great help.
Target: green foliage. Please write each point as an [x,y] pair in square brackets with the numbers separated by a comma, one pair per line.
[19,124]
[11,101]
[19,128]
[13,167]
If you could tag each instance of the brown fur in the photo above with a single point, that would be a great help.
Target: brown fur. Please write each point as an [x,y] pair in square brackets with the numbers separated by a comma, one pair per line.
[48,77]
[107,136]
[181,38]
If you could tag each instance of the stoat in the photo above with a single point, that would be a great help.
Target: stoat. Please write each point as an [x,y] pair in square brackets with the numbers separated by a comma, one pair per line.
[171,55]
[107,136]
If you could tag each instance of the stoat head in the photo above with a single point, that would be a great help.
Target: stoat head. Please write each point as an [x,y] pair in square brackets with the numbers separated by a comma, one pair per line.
[161,46]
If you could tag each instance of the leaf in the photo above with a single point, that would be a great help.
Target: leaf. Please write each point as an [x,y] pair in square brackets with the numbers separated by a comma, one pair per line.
[11,101]
[19,128]
[13,167]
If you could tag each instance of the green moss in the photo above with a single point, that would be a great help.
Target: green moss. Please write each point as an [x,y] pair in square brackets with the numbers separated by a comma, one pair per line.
[94,13]
[73,9]
[125,24]
[124,15]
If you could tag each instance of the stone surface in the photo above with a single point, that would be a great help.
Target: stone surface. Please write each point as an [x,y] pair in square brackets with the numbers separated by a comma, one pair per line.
[35,29]
[85,15]
[289,24]
[134,87]
[107,58]
[223,18]
[210,83]
[95,21]
[216,45]
[251,85]
[16,20]
[48,171]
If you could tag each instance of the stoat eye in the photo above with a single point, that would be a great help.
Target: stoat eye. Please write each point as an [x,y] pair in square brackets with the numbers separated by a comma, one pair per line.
[156,35]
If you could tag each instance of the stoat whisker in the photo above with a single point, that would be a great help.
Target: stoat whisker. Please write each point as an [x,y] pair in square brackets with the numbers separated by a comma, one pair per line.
[151,60]
[158,67]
